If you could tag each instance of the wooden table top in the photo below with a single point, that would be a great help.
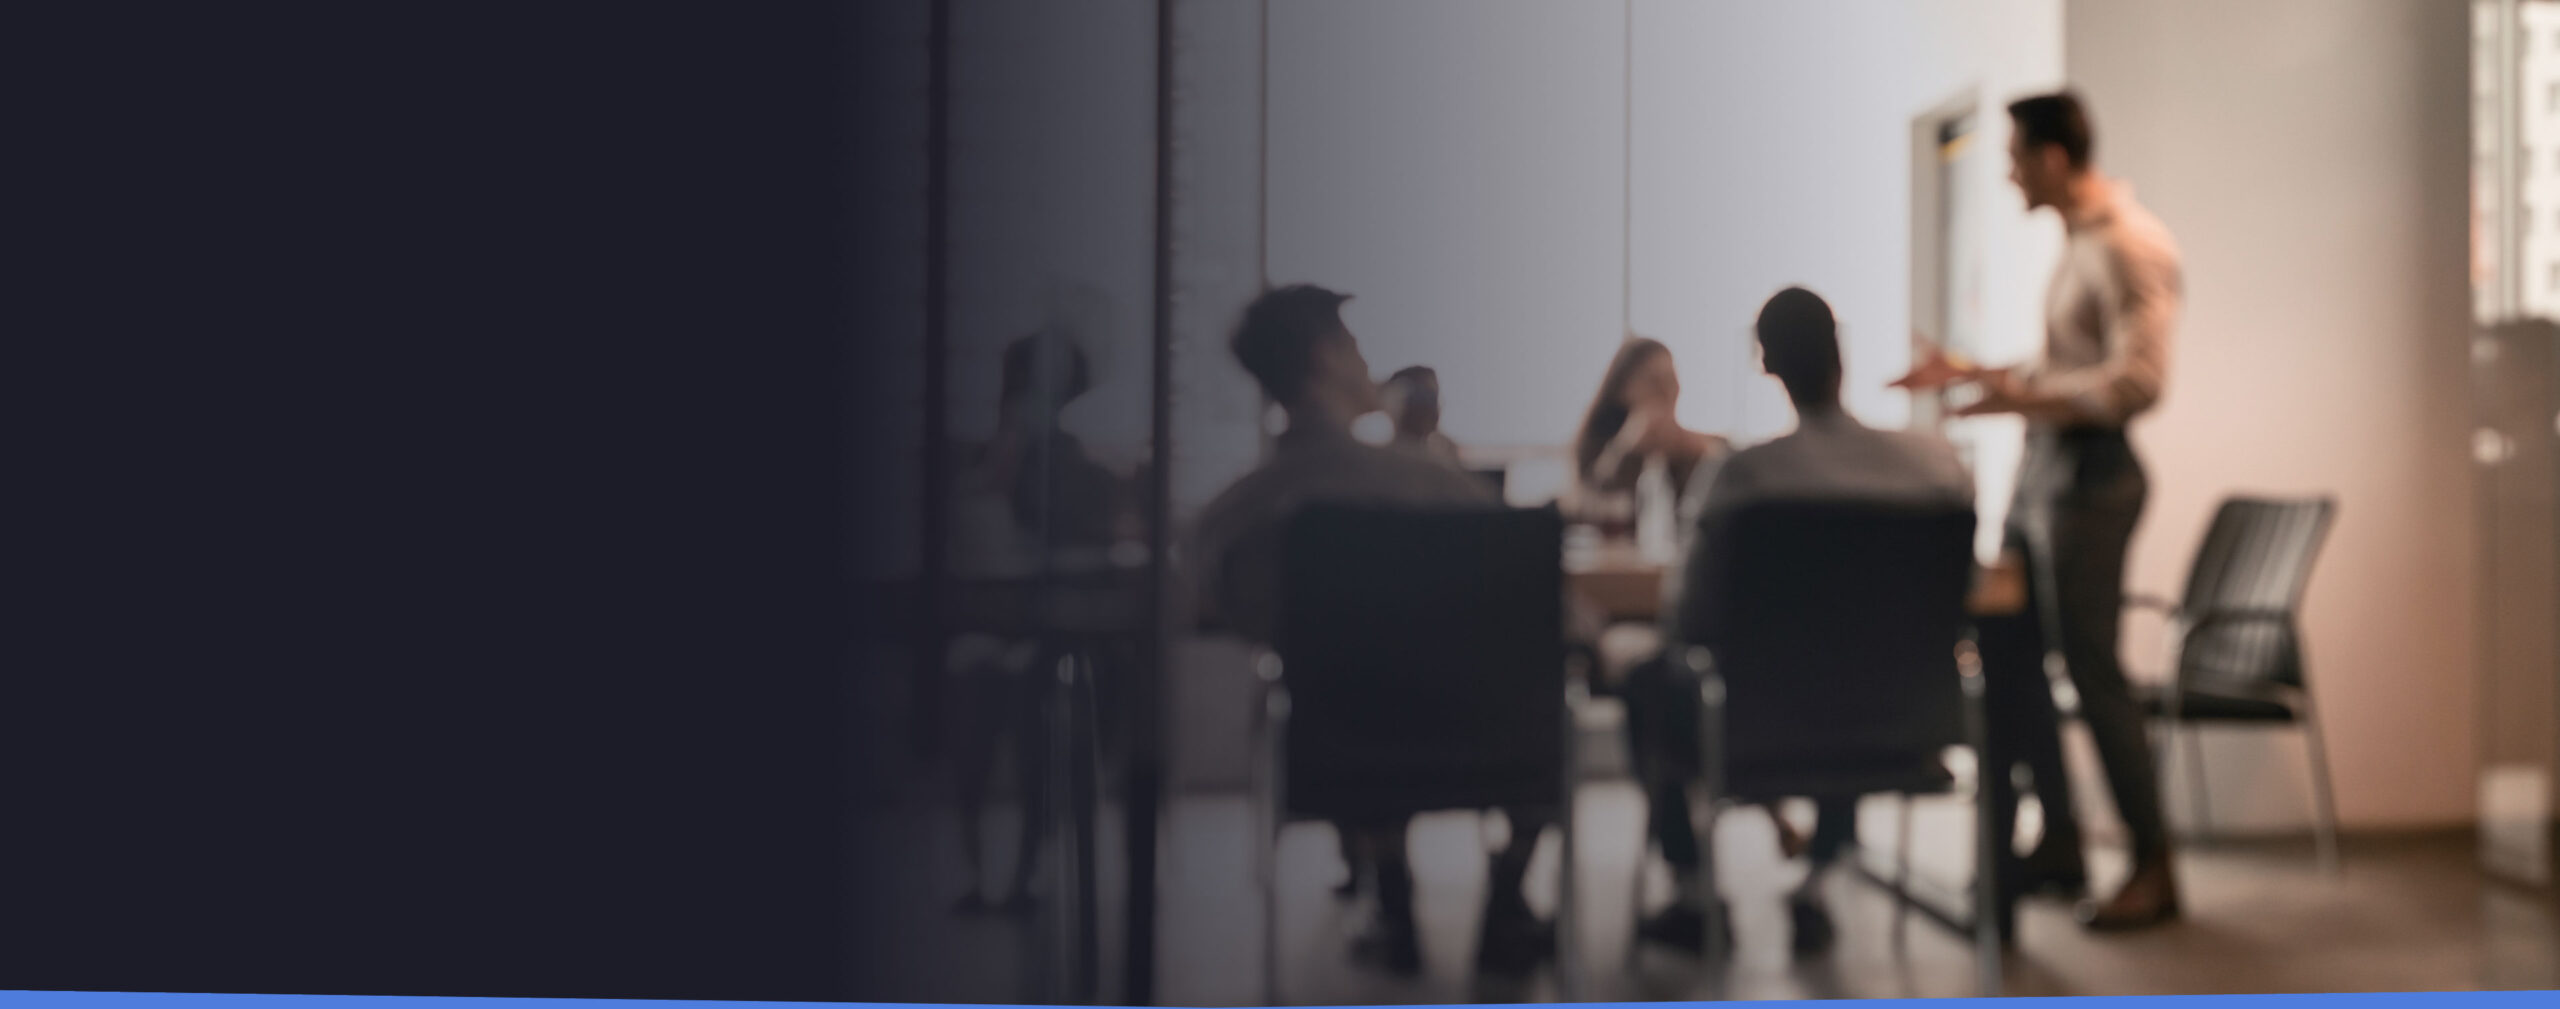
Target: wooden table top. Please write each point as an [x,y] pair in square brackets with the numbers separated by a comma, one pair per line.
[1617,578]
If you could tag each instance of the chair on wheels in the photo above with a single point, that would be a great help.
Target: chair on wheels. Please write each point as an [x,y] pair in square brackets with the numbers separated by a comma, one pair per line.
[2234,652]
[1420,666]
[1831,649]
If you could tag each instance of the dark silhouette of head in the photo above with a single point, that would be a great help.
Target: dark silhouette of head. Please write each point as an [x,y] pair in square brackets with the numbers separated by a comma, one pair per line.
[1800,345]
[1293,342]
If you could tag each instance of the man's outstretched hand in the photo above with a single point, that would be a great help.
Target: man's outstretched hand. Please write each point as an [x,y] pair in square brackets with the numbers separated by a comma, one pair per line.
[2001,393]
[1932,368]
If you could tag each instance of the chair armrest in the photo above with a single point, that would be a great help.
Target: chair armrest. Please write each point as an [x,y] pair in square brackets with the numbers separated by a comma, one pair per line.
[1711,701]
[2147,601]
[2282,619]
[2253,615]
[1696,659]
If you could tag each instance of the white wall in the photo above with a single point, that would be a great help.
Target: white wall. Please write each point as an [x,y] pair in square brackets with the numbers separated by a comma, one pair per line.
[2311,156]
[1773,148]
[1462,167]
[1456,166]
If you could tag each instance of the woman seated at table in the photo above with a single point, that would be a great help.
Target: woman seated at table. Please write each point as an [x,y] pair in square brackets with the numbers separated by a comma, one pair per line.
[1632,425]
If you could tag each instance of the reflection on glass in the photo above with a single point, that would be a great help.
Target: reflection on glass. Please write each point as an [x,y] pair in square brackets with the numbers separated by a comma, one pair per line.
[2515,371]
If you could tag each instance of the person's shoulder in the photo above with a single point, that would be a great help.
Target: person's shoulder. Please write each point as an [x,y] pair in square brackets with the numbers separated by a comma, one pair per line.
[1936,458]
[1724,475]
[1742,458]
[2138,237]
[1924,443]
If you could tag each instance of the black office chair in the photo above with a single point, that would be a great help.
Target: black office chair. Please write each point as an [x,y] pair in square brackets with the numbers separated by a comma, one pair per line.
[1424,670]
[1830,641]
[2235,644]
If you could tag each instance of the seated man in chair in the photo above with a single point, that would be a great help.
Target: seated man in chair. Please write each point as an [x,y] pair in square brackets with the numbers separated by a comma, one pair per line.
[1294,343]
[1829,456]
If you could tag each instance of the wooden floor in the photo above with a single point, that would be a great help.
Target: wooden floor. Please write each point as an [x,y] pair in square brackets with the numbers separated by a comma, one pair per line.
[2408,914]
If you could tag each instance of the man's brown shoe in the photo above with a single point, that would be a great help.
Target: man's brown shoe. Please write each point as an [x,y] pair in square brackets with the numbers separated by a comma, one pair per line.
[2149,898]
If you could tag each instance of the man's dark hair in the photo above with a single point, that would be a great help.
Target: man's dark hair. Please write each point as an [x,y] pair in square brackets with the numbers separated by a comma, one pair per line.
[1276,341]
[2055,119]
[1800,344]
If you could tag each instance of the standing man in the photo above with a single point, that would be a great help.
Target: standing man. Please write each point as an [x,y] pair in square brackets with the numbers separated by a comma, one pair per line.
[2109,316]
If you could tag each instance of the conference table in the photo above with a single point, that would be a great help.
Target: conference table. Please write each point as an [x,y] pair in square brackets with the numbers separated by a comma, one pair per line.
[1615,577]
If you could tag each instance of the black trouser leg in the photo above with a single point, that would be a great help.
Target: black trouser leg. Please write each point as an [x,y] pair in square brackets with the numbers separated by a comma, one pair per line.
[2092,529]
[1381,846]
[1662,739]
[1510,868]
[2024,727]
[1835,825]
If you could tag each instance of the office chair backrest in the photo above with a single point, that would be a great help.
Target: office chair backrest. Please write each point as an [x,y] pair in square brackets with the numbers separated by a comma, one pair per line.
[2256,557]
[1424,657]
[1835,626]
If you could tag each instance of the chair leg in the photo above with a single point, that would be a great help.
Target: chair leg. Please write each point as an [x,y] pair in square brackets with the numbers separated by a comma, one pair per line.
[1901,873]
[1988,843]
[1568,858]
[2325,814]
[1265,860]
[1987,911]
[1712,954]
[1635,895]
[1569,979]
[1084,772]
[1063,857]
[1711,701]
[2194,735]
[1270,757]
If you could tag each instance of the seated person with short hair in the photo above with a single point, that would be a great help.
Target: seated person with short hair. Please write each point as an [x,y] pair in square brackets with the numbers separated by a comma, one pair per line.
[1294,343]
[1830,456]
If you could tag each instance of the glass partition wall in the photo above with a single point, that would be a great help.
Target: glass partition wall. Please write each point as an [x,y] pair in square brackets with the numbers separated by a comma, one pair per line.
[1013,412]
[2516,437]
